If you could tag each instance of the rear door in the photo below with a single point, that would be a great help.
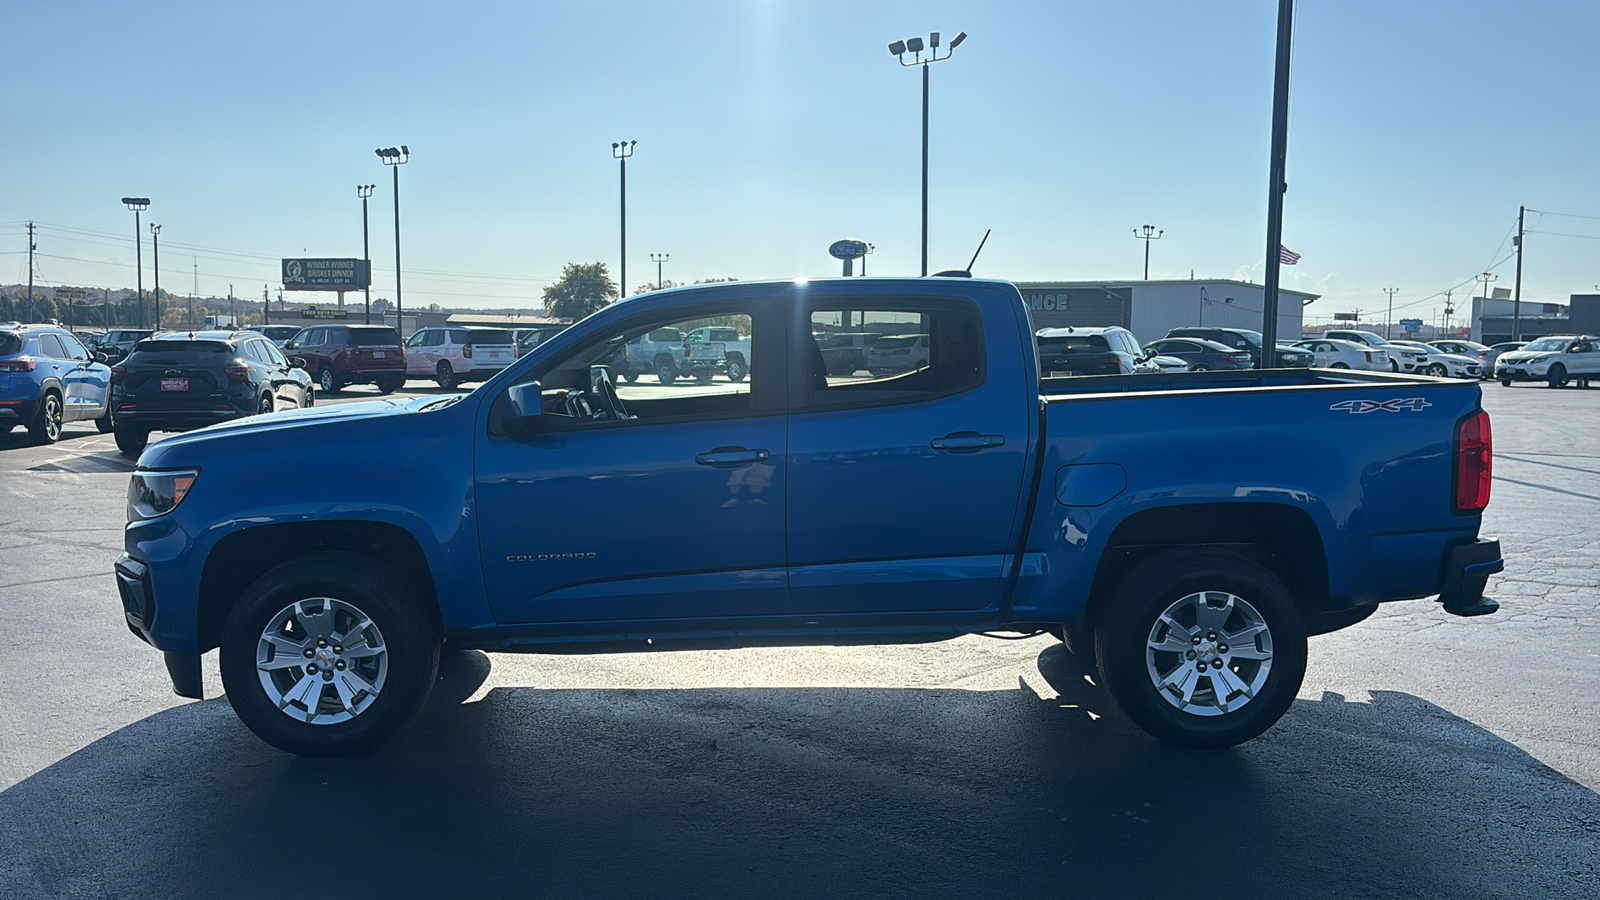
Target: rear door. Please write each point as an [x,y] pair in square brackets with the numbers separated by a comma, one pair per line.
[904,486]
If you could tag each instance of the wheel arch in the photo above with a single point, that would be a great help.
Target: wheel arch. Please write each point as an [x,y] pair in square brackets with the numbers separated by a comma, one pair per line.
[238,559]
[1283,538]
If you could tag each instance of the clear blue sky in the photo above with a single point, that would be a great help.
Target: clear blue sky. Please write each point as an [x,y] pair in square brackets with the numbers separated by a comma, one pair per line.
[768,129]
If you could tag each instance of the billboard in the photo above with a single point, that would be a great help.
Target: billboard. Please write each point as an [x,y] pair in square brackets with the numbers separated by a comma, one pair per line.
[325,274]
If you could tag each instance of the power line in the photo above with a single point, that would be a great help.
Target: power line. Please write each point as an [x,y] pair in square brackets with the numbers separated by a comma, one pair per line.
[1544,212]
[1588,237]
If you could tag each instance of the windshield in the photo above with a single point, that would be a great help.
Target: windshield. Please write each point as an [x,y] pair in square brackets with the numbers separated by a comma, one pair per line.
[1546,345]
[489,336]
[1074,343]
[367,337]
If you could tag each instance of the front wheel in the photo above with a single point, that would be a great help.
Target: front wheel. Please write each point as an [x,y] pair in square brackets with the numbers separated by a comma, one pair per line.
[1199,368]
[666,373]
[328,655]
[1505,382]
[630,377]
[1437,370]
[1338,365]
[1557,375]
[1202,647]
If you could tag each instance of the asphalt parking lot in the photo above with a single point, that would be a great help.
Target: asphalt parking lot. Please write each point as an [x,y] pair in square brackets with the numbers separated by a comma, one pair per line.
[1427,756]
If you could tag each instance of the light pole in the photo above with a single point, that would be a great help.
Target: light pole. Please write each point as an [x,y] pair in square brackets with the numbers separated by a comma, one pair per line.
[914,46]
[870,248]
[1147,234]
[394,158]
[620,151]
[155,249]
[138,205]
[658,259]
[364,191]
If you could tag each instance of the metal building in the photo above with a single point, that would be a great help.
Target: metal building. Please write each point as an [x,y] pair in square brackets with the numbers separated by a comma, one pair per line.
[1150,308]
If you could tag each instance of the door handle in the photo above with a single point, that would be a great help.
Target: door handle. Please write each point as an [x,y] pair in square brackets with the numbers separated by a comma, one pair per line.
[967,442]
[731,457]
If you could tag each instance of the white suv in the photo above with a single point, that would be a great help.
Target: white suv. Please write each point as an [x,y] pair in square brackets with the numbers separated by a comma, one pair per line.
[1555,360]
[453,355]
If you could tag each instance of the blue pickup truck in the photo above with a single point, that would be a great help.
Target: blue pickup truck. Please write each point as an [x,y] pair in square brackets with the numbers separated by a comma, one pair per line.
[1188,531]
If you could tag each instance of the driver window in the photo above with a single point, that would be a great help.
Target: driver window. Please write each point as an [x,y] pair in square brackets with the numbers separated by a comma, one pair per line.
[417,339]
[655,370]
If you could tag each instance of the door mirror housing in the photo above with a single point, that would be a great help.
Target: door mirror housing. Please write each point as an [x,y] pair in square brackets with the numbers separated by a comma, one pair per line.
[101,357]
[522,406]
[297,362]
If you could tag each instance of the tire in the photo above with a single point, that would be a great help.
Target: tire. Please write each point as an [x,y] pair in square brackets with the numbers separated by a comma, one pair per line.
[1505,382]
[106,423]
[390,384]
[444,375]
[1394,366]
[737,369]
[631,377]
[131,441]
[292,603]
[704,377]
[666,373]
[1338,365]
[327,381]
[47,420]
[266,406]
[1199,368]
[311,398]
[1437,370]
[1557,375]
[1162,599]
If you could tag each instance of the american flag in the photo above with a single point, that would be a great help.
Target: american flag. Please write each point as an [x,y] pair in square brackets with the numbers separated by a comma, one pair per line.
[1286,256]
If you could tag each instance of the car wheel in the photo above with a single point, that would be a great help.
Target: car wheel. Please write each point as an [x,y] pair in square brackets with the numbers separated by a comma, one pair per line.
[1557,375]
[328,655]
[1505,382]
[1394,365]
[737,370]
[325,379]
[445,376]
[1438,371]
[265,406]
[1202,647]
[47,422]
[1197,367]
[665,373]
[131,441]
[1338,365]
[106,423]
[390,385]
[631,377]
[311,399]
[704,377]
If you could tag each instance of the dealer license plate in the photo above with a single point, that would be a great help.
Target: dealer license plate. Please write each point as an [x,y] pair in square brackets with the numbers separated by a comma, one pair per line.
[377,354]
[174,384]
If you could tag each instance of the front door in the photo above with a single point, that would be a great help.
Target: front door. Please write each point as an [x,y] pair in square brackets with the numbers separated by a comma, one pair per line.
[905,487]
[673,511]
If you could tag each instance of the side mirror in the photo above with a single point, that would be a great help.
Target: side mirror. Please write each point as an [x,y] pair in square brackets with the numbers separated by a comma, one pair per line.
[297,362]
[522,406]
[101,357]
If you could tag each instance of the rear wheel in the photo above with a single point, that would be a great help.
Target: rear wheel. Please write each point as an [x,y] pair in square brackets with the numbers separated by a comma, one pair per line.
[444,375]
[666,372]
[328,655]
[1557,375]
[1199,367]
[737,370]
[47,421]
[389,384]
[1338,365]
[1202,647]
[106,424]
[265,406]
[131,441]
[631,377]
[326,380]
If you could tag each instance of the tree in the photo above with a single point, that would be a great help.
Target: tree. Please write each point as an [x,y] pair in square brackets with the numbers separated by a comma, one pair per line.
[583,288]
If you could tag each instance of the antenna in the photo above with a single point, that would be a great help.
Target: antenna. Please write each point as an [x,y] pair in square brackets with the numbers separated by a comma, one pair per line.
[979,250]
[967,272]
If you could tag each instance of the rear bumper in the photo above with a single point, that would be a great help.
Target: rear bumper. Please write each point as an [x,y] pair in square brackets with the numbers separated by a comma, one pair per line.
[1467,568]
[177,419]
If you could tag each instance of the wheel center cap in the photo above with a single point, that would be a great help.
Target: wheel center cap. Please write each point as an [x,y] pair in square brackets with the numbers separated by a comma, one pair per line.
[1208,652]
[325,658]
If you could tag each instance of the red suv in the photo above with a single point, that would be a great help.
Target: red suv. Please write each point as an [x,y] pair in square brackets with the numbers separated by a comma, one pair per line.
[337,355]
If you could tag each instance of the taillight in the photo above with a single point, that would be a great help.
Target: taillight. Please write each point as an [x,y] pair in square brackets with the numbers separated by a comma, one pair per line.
[238,373]
[20,364]
[1369,355]
[1474,463]
[466,351]
[116,374]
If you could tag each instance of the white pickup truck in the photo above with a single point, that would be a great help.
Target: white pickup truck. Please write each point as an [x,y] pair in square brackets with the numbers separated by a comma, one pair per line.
[735,348]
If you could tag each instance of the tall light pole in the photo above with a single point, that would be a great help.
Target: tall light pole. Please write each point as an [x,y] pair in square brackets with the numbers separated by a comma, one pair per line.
[394,158]
[914,46]
[658,259]
[1148,234]
[138,205]
[364,191]
[155,249]
[1388,318]
[1277,183]
[621,151]
[870,248]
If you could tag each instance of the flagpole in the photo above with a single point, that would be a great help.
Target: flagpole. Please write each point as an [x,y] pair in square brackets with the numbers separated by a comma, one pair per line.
[1276,185]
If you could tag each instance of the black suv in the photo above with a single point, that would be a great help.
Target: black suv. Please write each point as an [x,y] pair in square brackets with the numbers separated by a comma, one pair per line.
[1065,352]
[1246,340]
[178,381]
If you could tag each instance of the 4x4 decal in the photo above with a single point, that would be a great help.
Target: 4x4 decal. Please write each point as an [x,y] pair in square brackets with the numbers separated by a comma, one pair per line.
[1415,404]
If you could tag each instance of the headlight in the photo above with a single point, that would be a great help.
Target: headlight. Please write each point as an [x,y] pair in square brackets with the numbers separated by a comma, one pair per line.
[152,494]
[1533,360]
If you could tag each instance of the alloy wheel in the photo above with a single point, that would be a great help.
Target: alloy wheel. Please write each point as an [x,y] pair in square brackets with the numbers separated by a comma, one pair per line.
[1209,653]
[322,661]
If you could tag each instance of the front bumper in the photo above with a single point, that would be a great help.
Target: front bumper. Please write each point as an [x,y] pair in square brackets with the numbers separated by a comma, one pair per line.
[1522,372]
[1467,568]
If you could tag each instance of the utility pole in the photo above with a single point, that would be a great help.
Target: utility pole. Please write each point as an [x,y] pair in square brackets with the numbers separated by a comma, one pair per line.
[31,247]
[266,307]
[364,191]
[194,290]
[620,151]
[233,309]
[1516,297]
[1277,183]
[1150,233]
[155,249]
[1388,318]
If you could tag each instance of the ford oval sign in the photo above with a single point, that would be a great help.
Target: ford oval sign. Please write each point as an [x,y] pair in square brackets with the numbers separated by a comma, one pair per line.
[848,249]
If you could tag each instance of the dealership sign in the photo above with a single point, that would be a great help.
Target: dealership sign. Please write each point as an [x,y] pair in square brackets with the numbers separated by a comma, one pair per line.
[847,249]
[323,274]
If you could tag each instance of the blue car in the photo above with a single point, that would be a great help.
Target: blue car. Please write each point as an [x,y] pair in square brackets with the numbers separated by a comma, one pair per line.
[47,379]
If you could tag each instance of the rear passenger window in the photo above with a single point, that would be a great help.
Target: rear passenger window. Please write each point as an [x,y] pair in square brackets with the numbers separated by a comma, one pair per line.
[892,355]
[50,345]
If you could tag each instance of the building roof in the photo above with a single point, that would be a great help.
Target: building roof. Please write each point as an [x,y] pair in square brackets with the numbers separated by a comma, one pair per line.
[1154,281]
[516,321]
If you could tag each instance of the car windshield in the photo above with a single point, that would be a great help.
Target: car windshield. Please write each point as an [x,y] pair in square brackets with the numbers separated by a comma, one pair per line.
[1547,345]
[489,336]
[368,337]
[164,352]
[1069,343]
